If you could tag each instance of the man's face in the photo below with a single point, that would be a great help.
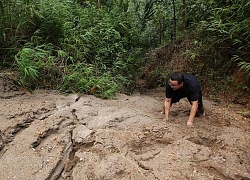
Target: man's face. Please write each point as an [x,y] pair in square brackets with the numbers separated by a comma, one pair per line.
[175,85]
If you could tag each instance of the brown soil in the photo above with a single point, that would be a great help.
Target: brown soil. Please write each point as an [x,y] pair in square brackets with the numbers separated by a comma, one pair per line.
[48,135]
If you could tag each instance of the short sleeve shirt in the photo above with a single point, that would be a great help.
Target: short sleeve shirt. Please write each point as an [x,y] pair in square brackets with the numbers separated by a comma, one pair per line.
[191,88]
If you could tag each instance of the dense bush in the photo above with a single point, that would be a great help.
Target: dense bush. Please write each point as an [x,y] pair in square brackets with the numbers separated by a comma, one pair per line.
[224,33]
[70,45]
[97,47]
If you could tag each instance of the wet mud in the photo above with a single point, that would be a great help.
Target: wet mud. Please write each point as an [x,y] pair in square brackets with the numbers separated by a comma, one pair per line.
[49,136]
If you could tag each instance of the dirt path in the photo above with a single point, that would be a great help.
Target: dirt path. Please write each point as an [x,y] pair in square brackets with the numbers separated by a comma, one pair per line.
[48,135]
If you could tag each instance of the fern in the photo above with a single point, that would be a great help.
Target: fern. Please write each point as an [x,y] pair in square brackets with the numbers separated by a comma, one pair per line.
[246,67]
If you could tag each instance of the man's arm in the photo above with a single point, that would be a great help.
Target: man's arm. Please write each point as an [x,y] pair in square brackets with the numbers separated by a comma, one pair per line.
[192,113]
[167,105]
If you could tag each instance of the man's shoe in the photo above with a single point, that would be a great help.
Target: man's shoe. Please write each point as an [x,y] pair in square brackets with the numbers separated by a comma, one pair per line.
[201,110]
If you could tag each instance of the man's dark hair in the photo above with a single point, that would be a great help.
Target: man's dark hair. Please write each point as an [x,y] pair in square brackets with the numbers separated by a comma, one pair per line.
[177,76]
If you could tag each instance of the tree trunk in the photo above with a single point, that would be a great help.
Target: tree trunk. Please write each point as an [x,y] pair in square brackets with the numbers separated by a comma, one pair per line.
[99,4]
[174,21]
[160,31]
[184,14]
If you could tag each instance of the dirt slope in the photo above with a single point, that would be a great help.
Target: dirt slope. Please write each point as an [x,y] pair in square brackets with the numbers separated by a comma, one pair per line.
[48,135]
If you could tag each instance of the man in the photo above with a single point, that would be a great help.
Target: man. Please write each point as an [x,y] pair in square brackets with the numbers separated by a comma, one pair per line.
[180,86]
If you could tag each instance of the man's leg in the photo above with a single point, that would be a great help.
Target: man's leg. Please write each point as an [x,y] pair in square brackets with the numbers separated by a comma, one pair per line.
[200,104]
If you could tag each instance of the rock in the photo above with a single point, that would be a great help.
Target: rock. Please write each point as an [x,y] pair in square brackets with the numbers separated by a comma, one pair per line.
[80,133]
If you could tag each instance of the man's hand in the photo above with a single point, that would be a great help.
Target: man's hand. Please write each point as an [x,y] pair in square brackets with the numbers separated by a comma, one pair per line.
[189,123]
[165,119]
[192,113]
[166,108]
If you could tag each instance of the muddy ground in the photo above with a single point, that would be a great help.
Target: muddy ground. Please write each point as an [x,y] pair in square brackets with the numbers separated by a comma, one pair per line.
[48,135]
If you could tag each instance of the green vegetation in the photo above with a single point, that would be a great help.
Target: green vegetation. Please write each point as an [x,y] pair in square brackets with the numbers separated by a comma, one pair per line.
[222,44]
[101,47]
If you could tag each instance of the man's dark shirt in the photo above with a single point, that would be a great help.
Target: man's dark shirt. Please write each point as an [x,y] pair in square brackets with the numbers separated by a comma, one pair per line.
[191,88]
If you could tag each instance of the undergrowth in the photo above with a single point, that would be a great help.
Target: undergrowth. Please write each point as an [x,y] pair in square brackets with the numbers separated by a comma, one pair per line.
[105,47]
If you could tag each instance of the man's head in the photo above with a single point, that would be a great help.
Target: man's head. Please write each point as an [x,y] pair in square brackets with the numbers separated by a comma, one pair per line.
[176,80]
